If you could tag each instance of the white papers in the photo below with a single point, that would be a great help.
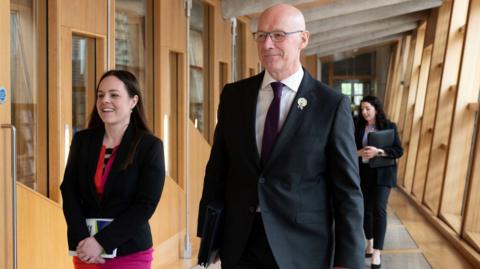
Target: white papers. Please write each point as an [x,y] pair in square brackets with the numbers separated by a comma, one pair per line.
[94,226]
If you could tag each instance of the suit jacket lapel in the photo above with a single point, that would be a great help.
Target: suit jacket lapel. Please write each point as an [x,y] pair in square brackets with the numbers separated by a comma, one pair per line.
[294,118]
[120,157]
[93,154]
[251,112]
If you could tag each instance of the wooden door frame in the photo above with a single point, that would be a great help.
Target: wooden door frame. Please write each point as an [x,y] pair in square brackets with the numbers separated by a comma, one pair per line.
[61,123]
[6,254]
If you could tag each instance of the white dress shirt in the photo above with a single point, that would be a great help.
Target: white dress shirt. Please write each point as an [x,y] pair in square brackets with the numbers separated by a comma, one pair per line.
[265,97]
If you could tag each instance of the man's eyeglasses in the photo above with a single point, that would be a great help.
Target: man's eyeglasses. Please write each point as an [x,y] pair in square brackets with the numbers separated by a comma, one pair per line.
[277,36]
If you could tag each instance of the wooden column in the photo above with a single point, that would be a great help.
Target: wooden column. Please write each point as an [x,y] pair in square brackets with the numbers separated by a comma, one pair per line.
[393,74]
[410,106]
[417,117]
[471,228]
[399,93]
[431,99]
[451,208]
[443,119]
[406,82]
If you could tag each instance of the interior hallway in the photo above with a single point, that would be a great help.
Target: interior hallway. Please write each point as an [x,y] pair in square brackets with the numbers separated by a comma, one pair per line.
[411,242]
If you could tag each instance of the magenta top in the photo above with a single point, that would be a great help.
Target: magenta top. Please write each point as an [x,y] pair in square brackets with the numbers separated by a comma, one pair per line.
[138,260]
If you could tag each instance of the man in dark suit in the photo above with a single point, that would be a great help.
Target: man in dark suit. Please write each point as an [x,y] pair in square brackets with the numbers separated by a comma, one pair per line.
[283,162]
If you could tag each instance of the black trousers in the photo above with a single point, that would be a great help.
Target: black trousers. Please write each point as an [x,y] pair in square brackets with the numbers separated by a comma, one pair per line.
[257,254]
[375,199]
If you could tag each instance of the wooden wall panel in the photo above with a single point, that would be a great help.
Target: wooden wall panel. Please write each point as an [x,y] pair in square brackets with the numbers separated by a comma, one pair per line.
[399,82]
[54,97]
[200,150]
[406,82]
[432,27]
[167,219]
[443,118]
[87,15]
[417,117]
[66,17]
[42,230]
[251,56]
[393,68]
[416,120]
[111,62]
[310,63]
[410,106]
[472,215]
[172,35]
[463,124]
[431,99]
[170,218]
[5,142]
[170,38]
[6,260]
[222,52]
[42,133]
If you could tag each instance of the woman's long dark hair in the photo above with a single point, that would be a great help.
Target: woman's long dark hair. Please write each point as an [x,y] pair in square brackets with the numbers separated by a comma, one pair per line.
[137,117]
[380,117]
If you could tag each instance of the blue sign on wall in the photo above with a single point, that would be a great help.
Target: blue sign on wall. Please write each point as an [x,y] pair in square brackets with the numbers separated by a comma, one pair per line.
[3,95]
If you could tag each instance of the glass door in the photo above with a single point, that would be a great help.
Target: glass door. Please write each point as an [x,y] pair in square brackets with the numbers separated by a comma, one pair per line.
[83,81]
[83,61]
[28,91]
[6,239]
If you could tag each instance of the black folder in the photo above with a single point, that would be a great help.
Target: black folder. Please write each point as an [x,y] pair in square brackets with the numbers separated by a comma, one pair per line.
[381,139]
[212,229]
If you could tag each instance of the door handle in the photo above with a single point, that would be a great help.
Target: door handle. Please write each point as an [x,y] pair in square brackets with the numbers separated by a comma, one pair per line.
[14,189]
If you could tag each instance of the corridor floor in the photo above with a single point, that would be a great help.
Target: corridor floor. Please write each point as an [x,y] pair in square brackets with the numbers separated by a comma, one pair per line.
[400,252]
[411,242]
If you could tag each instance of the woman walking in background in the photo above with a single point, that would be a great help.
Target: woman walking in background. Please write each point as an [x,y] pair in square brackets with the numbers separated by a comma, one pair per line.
[375,182]
[115,171]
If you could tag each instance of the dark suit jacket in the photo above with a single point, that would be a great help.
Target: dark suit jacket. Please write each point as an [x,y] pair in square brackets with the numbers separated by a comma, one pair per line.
[309,189]
[130,196]
[386,176]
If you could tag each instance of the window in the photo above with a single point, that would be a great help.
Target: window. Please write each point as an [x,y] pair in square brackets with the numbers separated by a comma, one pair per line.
[355,77]
[28,83]
[134,45]
[171,119]
[83,81]
[199,49]
[354,89]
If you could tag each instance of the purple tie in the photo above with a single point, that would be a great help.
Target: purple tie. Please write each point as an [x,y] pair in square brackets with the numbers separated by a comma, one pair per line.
[270,130]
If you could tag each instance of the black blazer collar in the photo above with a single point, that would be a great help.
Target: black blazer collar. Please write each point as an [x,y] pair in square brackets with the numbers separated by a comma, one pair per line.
[94,148]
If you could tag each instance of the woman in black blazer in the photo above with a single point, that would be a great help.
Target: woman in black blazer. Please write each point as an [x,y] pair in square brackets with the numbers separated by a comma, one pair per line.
[115,170]
[375,182]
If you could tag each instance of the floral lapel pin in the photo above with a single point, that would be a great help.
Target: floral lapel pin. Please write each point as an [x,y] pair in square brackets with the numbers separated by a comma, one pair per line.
[301,103]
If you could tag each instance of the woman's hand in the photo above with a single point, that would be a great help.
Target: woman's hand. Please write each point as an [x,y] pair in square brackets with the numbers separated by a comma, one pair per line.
[89,250]
[370,152]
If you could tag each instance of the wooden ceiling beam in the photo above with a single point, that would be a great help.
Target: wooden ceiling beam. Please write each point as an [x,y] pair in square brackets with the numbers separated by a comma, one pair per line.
[364,37]
[236,8]
[371,15]
[343,7]
[366,28]
[324,51]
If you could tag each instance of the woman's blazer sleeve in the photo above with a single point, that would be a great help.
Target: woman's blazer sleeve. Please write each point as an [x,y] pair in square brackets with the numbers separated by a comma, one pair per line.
[72,209]
[151,178]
